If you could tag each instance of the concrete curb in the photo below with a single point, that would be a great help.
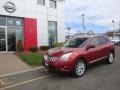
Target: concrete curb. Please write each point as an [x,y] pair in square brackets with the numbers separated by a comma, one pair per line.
[20,72]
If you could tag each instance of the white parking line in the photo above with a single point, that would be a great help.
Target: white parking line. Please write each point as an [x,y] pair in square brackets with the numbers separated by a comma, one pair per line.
[20,72]
[25,82]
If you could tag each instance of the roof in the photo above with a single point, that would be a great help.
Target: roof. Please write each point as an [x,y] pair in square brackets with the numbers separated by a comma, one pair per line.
[84,36]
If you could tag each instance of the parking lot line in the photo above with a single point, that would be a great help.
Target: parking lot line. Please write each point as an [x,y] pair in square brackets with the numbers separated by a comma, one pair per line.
[20,72]
[25,82]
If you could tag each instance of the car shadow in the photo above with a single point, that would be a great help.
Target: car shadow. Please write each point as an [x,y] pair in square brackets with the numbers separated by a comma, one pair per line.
[89,69]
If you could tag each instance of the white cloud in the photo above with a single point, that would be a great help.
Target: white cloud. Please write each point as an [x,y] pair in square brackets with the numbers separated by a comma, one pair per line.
[108,10]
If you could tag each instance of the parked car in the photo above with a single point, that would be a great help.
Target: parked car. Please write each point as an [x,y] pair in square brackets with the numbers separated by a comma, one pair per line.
[77,53]
[116,40]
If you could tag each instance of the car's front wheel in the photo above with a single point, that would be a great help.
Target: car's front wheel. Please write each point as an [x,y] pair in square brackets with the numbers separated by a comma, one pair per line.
[110,59]
[80,68]
[118,43]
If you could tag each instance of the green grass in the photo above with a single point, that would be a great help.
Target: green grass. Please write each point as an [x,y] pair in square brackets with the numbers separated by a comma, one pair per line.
[32,59]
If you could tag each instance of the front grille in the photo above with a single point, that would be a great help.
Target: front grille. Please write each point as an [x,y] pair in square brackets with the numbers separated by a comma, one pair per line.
[50,58]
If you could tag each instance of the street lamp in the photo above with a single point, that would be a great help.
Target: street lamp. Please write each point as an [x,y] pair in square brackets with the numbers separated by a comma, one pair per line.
[119,27]
[69,32]
[113,27]
[83,23]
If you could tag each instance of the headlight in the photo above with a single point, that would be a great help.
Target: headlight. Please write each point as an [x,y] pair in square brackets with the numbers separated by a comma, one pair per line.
[65,57]
[45,57]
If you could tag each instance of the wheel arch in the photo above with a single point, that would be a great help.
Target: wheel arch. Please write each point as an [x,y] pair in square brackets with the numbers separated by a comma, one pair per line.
[113,51]
[82,58]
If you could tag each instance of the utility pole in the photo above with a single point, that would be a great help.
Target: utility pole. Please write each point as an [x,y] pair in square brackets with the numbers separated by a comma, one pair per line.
[113,27]
[69,32]
[119,28]
[83,22]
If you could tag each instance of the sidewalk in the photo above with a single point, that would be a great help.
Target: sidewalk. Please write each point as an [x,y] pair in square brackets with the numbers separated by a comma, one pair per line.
[9,63]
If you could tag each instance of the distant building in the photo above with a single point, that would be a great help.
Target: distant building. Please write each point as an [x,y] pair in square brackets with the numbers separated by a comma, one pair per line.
[111,33]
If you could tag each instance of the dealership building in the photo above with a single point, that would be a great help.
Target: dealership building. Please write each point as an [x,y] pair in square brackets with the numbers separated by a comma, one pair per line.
[34,23]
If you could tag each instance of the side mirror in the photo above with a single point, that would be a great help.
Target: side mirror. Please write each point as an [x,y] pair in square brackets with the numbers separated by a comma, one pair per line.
[90,46]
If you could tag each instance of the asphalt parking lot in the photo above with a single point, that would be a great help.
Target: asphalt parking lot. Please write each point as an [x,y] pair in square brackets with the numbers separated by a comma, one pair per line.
[98,77]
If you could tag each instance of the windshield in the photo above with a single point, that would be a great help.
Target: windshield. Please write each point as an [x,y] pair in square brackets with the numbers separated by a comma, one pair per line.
[75,42]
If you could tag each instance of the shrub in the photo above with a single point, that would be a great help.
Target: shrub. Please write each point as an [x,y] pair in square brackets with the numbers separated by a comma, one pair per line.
[58,44]
[44,47]
[19,45]
[33,49]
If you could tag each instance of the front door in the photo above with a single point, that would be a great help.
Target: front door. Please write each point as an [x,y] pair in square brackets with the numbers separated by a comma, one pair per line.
[2,39]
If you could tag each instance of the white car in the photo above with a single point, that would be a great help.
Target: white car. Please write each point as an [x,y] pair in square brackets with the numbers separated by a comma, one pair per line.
[116,40]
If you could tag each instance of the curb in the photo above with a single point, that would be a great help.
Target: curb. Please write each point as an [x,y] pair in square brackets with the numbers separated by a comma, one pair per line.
[20,72]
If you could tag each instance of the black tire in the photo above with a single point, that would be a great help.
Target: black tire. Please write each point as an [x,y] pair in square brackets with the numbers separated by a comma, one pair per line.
[110,58]
[119,44]
[79,69]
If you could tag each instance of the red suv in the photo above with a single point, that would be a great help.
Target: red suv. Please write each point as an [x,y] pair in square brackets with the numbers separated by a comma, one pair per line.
[79,52]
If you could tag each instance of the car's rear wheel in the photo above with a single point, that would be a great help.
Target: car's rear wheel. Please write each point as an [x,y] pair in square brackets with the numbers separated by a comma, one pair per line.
[80,68]
[119,44]
[110,59]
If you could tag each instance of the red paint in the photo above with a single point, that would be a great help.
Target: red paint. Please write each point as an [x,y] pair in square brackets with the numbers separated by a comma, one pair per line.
[30,33]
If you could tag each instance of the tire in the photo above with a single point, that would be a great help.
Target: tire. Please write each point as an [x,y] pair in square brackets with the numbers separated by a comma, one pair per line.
[79,69]
[110,58]
[119,44]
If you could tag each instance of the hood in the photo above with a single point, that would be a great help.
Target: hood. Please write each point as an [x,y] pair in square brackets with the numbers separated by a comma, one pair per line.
[59,51]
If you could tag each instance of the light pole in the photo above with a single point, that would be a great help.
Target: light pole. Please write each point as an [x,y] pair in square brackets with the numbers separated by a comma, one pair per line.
[83,22]
[69,32]
[113,27]
[119,28]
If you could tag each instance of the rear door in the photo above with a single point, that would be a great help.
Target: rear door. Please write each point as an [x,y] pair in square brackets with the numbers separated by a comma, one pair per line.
[93,53]
[103,47]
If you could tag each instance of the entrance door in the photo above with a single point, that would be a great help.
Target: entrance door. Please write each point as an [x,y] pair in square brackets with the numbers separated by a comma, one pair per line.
[2,39]
[11,39]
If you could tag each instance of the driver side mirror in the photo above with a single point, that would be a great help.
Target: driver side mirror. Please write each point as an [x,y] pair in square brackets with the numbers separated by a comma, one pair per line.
[90,46]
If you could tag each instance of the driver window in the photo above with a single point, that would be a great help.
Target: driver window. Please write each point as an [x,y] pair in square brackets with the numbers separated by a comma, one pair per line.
[73,42]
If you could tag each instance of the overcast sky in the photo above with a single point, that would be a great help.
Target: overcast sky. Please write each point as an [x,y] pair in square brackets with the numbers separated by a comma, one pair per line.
[98,14]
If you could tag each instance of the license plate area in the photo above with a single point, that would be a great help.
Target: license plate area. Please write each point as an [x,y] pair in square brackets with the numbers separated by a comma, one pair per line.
[46,64]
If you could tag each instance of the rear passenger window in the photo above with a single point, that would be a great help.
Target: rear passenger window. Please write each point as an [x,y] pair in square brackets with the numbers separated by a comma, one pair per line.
[94,41]
[102,40]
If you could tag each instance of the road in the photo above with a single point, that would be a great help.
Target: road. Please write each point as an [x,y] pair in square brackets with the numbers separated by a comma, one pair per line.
[97,77]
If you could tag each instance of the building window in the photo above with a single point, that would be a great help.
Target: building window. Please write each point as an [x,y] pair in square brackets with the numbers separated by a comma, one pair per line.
[41,2]
[52,31]
[2,21]
[14,22]
[53,4]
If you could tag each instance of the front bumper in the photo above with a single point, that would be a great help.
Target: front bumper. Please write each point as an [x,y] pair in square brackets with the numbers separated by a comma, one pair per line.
[58,65]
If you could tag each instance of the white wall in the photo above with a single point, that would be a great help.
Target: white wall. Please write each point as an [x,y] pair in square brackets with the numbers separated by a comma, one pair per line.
[43,14]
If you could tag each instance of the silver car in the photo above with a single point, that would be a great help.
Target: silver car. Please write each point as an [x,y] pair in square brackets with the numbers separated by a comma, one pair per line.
[116,40]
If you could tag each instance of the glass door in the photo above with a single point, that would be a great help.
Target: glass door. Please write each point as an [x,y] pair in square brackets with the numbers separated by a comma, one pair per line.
[10,33]
[11,39]
[2,39]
